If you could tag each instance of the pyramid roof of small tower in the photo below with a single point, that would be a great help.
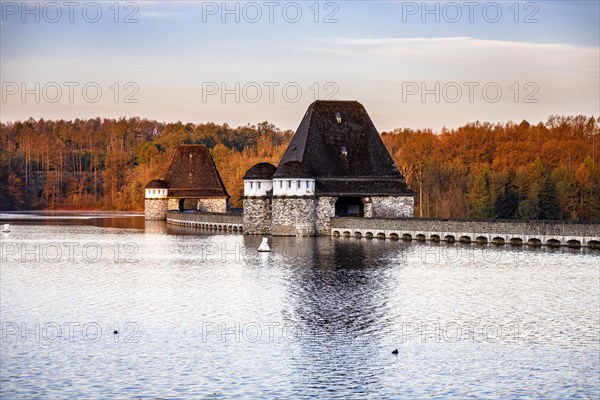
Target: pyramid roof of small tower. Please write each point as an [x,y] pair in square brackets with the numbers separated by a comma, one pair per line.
[263,170]
[157,184]
[193,174]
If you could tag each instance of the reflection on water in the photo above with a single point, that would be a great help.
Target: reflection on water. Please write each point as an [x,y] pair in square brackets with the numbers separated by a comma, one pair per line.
[200,314]
[106,219]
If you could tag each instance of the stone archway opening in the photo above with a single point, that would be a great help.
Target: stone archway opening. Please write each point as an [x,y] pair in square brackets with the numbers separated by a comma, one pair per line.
[349,207]
[481,240]
[553,243]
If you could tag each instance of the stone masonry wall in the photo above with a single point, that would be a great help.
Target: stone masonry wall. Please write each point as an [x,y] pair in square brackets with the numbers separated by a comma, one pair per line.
[155,209]
[206,205]
[173,204]
[368,208]
[257,216]
[392,206]
[293,216]
[212,205]
[500,227]
[325,210]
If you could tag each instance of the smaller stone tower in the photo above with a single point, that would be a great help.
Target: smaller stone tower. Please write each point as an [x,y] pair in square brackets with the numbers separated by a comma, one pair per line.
[294,212]
[258,193]
[156,200]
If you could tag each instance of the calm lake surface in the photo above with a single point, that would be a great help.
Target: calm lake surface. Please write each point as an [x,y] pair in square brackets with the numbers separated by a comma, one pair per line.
[202,315]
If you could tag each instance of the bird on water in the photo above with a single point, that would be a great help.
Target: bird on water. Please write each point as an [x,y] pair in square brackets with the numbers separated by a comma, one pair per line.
[395,351]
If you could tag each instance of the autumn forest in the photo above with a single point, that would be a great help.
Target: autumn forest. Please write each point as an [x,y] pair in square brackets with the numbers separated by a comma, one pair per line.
[547,171]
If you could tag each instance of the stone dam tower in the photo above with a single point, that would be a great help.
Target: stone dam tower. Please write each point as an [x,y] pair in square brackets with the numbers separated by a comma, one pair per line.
[335,166]
[192,182]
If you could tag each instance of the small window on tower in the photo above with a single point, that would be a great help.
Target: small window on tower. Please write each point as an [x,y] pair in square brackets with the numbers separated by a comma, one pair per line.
[298,184]
[258,185]
[289,184]
[251,185]
[280,184]
[307,184]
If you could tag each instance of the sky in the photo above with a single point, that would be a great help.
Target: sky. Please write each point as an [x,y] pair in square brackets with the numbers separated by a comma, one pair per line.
[411,64]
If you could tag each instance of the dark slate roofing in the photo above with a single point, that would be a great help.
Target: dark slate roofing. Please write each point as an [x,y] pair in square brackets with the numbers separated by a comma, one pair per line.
[339,144]
[193,174]
[293,169]
[157,184]
[263,170]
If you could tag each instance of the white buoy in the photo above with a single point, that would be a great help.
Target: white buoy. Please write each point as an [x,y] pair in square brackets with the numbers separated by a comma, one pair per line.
[264,246]
[6,228]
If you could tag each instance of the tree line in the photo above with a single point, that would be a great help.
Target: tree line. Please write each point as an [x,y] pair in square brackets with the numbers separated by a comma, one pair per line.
[546,171]
[480,170]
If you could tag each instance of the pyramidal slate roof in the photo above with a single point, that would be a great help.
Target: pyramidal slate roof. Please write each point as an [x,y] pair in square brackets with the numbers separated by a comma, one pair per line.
[157,184]
[263,170]
[338,143]
[193,174]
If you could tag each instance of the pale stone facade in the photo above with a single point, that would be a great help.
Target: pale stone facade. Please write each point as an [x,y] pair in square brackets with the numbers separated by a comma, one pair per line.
[155,209]
[391,206]
[325,210]
[204,205]
[212,205]
[293,216]
[307,216]
[368,204]
[257,216]
[173,204]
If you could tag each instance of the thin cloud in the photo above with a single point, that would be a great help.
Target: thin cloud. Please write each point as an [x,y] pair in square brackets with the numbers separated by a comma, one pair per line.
[466,53]
[460,40]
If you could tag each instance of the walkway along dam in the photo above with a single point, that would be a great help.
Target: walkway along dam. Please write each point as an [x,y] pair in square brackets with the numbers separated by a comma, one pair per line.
[533,233]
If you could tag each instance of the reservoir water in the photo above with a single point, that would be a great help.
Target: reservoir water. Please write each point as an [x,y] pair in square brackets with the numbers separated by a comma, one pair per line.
[107,306]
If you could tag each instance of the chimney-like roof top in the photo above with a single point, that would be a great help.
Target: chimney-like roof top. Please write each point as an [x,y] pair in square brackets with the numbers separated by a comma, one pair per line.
[193,174]
[338,143]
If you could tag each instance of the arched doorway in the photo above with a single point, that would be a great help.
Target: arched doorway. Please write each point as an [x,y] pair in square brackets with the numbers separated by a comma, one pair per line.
[349,207]
[181,205]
